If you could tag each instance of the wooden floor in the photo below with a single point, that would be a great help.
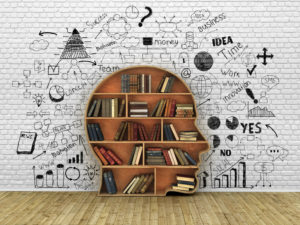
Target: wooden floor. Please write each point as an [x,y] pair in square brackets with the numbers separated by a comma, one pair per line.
[202,208]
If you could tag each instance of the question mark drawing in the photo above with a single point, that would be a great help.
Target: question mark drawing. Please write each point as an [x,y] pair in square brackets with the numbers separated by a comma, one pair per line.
[145,17]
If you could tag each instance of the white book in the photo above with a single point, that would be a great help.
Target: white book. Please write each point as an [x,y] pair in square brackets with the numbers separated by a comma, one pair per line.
[129,185]
[164,85]
[139,115]
[171,157]
[139,155]
[174,157]
[174,132]
[138,110]
[112,107]
[136,150]
[138,103]
[134,183]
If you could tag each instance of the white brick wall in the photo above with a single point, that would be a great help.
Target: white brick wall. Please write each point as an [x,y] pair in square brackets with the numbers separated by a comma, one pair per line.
[255,24]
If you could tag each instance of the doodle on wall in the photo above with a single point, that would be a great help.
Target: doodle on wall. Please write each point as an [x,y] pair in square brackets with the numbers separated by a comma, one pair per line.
[225,99]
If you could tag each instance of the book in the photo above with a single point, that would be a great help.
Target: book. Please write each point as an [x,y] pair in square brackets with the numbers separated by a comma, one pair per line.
[139,155]
[112,182]
[136,152]
[185,178]
[97,108]
[186,182]
[175,187]
[190,159]
[186,186]
[94,134]
[131,155]
[161,83]
[99,133]
[183,157]
[144,133]
[129,185]
[107,183]
[103,108]
[90,132]
[136,83]
[158,134]
[133,185]
[140,131]
[174,132]
[135,131]
[178,156]
[147,184]
[101,157]
[167,157]
[114,157]
[172,153]
[123,131]
[155,108]
[122,108]
[138,190]
[172,109]
[170,84]
[92,108]
[171,157]
[163,88]
[119,131]
[141,179]
[107,157]
[167,106]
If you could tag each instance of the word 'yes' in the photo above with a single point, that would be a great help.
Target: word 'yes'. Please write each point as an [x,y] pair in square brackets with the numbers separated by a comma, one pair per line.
[252,127]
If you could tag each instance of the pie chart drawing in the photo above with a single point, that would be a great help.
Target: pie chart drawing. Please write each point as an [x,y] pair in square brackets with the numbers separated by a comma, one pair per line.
[214,141]
[213,122]
[232,122]
[56,93]
[231,140]
[132,12]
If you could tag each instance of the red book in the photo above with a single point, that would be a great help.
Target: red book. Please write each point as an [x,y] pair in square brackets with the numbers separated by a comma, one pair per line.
[116,158]
[144,133]
[172,110]
[135,131]
[167,157]
[153,132]
[109,159]
[157,138]
[141,132]
[102,158]
[154,149]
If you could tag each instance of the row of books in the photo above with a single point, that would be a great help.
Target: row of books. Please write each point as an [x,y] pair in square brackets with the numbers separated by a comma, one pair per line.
[134,131]
[140,83]
[107,107]
[184,183]
[155,133]
[110,182]
[138,109]
[107,157]
[139,184]
[136,155]
[166,84]
[170,157]
[170,133]
[164,108]
[188,135]
[95,132]
[184,110]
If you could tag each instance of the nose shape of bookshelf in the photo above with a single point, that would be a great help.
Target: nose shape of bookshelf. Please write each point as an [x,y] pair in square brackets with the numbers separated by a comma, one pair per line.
[164,175]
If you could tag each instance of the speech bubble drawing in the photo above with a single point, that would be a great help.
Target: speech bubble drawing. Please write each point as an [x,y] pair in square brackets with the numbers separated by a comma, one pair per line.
[199,15]
[270,81]
[277,152]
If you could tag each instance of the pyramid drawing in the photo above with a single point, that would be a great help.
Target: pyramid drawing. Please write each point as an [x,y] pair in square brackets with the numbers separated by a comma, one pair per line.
[74,48]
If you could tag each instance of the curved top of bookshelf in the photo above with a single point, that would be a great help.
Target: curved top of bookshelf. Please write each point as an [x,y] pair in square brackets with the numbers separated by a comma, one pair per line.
[112,83]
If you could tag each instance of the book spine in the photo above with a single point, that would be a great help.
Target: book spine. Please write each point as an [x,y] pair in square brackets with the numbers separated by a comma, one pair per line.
[141,133]
[171,138]
[99,132]
[107,183]
[94,134]
[183,157]
[138,157]
[144,133]
[174,132]
[150,85]
[114,157]
[192,161]
[167,158]
[147,184]
[112,181]
[171,157]
[160,84]
[172,110]
[129,185]
[178,156]
[120,129]
[153,132]
[90,133]
[92,108]
[107,157]
[103,160]
[131,156]
[158,135]
[122,107]
[174,157]
[166,108]
[135,131]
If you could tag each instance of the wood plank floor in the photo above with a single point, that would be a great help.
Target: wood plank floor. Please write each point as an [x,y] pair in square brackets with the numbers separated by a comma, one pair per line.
[202,208]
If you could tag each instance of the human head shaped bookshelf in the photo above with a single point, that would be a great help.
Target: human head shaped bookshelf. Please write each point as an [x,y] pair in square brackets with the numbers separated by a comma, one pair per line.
[141,125]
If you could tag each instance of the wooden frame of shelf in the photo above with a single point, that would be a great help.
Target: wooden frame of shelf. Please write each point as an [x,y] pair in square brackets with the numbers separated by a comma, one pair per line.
[164,175]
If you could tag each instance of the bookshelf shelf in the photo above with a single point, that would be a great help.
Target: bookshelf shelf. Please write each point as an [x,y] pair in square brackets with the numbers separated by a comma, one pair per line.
[164,175]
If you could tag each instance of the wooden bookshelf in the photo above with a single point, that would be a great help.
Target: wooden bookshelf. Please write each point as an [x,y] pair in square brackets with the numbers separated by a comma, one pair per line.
[164,175]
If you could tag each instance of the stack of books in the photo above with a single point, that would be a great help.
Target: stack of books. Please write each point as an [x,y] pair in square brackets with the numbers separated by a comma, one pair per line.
[188,135]
[166,84]
[134,132]
[172,156]
[138,109]
[155,133]
[107,107]
[95,132]
[139,184]
[184,110]
[184,183]
[140,83]
[154,156]
[164,108]
[107,157]
[170,133]
[136,155]
[109,181]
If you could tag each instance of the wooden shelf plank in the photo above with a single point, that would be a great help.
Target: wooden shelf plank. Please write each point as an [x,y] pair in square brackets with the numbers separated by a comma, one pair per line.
[149,166]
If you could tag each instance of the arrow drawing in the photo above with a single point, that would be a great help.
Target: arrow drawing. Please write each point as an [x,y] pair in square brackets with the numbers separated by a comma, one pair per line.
[268,126]
[93,63]
[44,152]
[42,33]
[81,142]
[205,101]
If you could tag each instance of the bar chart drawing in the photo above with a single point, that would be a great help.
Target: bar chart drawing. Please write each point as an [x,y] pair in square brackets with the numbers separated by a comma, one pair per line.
[232,177]
[78,158]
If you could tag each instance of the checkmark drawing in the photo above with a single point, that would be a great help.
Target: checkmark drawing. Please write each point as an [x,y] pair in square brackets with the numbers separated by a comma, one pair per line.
[252,70]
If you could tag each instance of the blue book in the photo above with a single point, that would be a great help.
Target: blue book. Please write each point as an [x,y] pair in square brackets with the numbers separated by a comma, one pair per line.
[90,132]
[192,161]
[154,153]
[107,184]
[171,137]
[112,182]
[166,133]
[99,132]
[186,182]
[94,134]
